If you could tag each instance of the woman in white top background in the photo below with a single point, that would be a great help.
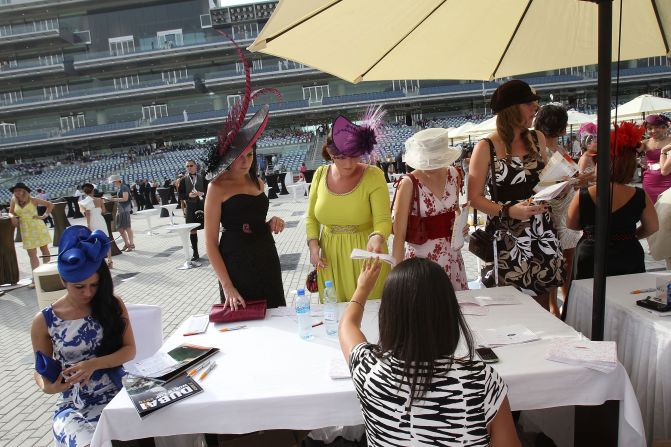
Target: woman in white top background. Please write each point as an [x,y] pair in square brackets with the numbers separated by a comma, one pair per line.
[92,208]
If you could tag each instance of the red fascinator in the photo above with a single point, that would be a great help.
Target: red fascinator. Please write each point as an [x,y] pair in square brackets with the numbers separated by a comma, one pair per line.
[626,136]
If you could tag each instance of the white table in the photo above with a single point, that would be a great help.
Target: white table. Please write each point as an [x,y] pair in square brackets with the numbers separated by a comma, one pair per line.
[268,378]
[170,208]
[298,189]
[147,215]
[643,342]
[184,230]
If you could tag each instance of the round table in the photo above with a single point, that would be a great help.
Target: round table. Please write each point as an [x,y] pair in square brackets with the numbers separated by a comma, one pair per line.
[169,208]
[9,266]
[184,230]
[147,215]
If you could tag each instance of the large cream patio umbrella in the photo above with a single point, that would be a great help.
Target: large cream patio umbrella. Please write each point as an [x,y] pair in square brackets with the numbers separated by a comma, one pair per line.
[366,40]
[640,106]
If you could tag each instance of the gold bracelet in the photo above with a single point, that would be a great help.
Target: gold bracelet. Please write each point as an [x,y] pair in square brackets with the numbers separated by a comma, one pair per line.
[378,234]
[355,301]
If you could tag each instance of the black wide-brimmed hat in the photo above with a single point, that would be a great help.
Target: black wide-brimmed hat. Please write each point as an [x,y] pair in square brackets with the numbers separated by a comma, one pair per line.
[511,93]
[19,185]
[237,136]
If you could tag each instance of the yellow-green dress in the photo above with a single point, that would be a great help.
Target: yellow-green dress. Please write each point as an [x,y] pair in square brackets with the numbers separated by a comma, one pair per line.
[346,220]
[34,233]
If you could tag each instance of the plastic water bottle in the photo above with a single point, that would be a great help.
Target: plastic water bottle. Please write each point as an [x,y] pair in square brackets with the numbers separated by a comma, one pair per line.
[330,310]
[303,314]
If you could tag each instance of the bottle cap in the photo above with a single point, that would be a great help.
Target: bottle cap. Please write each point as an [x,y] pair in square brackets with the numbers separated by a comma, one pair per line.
[328,283]
[300,292]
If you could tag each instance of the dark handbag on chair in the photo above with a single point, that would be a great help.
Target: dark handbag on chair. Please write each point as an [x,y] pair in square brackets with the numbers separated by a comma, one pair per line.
[416,232]
[481,242]
[254,310]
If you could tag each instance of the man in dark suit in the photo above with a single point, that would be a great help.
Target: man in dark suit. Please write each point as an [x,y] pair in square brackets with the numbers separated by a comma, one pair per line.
[192,189]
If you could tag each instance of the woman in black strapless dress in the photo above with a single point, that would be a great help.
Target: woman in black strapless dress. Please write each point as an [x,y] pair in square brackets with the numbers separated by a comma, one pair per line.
[245,258]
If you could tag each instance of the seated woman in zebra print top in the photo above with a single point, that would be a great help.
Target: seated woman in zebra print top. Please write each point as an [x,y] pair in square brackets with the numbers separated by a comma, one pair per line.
[450,400]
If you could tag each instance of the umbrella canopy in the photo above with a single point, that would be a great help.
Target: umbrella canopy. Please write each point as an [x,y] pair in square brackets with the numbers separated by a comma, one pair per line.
[461,131]
[575,117]
[458,39]
[487,126]
[641,105]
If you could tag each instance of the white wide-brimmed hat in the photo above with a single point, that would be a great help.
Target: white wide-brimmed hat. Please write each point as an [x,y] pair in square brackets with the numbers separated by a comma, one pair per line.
[114,178]
[430,149]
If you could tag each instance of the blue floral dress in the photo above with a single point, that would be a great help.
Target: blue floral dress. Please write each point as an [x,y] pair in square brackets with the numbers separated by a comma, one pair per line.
[78,408]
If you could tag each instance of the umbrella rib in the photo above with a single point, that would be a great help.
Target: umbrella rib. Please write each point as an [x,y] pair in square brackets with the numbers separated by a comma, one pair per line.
[402,39]
[510,41]
[661,26]
[303,20]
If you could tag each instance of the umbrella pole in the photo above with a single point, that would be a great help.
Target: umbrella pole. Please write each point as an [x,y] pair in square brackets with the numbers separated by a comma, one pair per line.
[603,167]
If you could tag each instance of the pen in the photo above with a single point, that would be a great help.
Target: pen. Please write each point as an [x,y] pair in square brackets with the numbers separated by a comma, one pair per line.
[636,292]
[207,371]
[233,328]
[318,324]
[198,368]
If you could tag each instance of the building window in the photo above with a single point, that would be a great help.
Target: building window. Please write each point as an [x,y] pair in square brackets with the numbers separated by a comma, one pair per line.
[7,64]
[45,25]
[121,45]
[232,99]
[257,64]
[83,37]
[150,113]
[51,59]
[314,94]
[205,21]
[6,30]
[169,39]
[72,121]
[7,129]
[55,91]
[245,31]
[405,86]
[125,82]
[173,76]
[7,98]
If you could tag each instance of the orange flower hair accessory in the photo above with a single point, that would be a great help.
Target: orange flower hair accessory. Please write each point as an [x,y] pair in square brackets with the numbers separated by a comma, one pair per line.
[626,136]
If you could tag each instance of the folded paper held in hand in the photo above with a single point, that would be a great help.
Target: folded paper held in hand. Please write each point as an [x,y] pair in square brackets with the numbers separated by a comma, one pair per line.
[458,229]
[358,253]
[551,192]
[558,167]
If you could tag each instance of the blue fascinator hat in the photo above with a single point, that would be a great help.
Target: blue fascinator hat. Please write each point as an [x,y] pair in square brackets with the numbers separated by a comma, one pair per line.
[80,252]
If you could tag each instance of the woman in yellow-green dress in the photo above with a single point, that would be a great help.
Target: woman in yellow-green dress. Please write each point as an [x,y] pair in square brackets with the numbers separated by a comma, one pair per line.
[348,207]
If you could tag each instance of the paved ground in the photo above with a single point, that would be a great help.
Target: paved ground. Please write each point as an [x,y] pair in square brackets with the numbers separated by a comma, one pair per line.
[149,276]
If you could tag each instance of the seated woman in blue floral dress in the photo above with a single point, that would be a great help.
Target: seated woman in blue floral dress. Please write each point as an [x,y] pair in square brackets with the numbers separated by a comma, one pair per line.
[82,339]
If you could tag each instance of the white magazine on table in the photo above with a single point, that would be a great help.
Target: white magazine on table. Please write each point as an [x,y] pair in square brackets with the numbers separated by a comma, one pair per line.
[483,300]
[507,335]
[338,369]
[597,355]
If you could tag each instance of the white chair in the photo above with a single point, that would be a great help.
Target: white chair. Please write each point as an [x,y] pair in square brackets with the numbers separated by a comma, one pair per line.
[48,284]
[145,319]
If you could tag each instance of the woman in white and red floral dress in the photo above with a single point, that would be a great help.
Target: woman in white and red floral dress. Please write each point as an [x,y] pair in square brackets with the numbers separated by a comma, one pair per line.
[438,184]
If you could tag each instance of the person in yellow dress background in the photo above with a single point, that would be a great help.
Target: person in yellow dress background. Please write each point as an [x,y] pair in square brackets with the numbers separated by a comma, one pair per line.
[34,234]
[348,207]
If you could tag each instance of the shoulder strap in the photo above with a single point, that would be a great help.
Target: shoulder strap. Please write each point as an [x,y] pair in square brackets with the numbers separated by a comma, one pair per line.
[492,164]
[415,190]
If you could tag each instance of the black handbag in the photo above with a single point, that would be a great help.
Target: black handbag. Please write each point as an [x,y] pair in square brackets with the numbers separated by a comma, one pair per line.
[481,242]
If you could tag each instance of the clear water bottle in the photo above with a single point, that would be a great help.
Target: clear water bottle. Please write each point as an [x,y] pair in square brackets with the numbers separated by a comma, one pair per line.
[330,310]
[303,314]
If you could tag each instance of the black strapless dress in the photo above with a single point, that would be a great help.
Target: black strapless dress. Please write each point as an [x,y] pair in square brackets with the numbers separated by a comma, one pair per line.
[248,249]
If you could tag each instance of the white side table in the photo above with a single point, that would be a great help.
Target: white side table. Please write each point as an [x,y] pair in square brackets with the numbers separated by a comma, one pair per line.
[170,208]
[183,230]
[296,188]
[147,215]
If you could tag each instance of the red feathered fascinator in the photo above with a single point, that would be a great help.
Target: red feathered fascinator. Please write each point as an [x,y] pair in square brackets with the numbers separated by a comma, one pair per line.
[626,137]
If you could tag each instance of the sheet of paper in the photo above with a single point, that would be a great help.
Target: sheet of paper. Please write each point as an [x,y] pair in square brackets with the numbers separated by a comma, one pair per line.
[549,193]
[460,222]
[557,168]
[483,300]
[358,253]
[473,309]
[339,369]
[597,355]
[506,335]
[153,366]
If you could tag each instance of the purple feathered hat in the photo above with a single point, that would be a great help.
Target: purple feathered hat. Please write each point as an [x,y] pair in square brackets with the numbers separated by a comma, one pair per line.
[657,120]
[237,136]
[350,140]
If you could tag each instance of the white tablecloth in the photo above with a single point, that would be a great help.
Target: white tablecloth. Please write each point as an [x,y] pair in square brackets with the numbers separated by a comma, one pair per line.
[643,342]
[268,378]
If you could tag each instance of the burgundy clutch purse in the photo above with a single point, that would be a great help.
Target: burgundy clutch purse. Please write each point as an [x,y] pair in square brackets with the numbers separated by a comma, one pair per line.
[255,310]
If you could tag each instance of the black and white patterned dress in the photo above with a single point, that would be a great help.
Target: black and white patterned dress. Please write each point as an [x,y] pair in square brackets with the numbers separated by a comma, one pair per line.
[530,255]
[455,410]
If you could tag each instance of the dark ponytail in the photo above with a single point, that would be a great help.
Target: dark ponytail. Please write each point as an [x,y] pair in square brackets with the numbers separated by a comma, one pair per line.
[105,308]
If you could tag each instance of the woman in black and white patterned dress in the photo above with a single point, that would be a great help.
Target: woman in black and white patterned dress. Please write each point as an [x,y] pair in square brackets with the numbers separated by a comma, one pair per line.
[450,400]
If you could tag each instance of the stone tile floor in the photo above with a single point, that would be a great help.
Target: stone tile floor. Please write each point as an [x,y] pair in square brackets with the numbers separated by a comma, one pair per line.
[148,275]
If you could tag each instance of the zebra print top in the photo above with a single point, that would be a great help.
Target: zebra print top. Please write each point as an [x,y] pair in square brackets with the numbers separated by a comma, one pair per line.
[455,411]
